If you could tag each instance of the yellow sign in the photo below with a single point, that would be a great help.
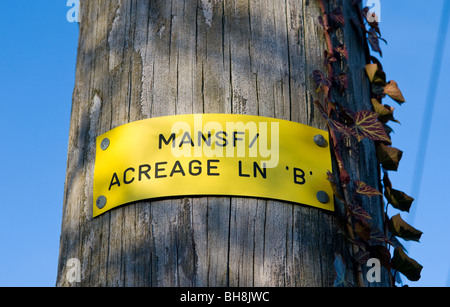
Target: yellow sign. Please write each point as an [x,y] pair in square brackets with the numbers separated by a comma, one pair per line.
[212,154]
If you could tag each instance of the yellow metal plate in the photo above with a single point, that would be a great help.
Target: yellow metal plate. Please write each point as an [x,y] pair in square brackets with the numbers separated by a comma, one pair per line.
[212,154]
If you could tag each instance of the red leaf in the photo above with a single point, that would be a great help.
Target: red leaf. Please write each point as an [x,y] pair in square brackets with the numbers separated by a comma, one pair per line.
[371,18]
[338,16]
[367,190]
[344,176]
[322,23]
[368,126]
[329,58]
[374,41]
[359,213]
[322,82]
[339,127]
[342,81]
[347,116]
[342,51]
[362,256]
[333,124]
[378,237]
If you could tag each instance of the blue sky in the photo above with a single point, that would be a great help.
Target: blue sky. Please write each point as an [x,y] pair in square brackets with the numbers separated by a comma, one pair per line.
[37,71]
[37,75]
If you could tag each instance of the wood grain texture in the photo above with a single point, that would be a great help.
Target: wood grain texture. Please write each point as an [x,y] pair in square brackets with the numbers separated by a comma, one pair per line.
[139,59]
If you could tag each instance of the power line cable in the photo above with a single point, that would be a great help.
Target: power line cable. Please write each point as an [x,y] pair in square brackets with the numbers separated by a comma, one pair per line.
[429,107]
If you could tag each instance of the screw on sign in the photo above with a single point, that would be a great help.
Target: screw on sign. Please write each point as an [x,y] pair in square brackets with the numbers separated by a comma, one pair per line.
[101,202]
[105,144]
[320,141]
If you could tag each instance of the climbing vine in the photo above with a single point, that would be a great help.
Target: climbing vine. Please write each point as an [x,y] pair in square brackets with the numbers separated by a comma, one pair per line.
[365,239]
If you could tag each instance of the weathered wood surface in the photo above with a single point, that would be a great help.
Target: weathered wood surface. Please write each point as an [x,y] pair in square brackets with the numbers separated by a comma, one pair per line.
[139,59]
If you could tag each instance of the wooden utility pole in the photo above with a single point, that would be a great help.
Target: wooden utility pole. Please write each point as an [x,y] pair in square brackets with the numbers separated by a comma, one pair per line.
[139,59]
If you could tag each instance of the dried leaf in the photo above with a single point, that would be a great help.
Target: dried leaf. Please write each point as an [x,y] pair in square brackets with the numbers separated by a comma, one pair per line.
[382,253]
[379,78]
[406,265]
[378,90]
[371,70]
[395,242]
[376,61]
[385,112]
[386,181]
[387,129]
[401,229]
[362,230]
[368,126]
[398,199]
[375,73]
[389,157]
[332,181]
[391,89]
[364,189]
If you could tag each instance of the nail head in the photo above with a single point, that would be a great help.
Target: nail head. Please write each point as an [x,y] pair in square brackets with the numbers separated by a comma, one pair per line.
[320,141]
[101,202]
[323,197]
[104,144]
